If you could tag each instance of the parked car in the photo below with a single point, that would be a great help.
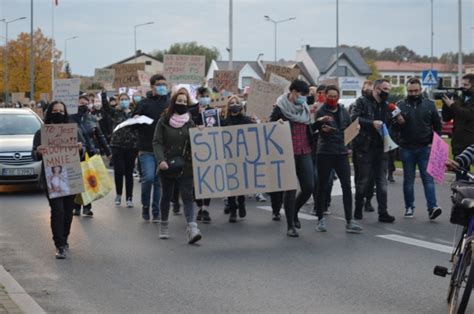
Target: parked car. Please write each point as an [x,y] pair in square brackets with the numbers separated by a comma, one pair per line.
[447,127]
[17,129]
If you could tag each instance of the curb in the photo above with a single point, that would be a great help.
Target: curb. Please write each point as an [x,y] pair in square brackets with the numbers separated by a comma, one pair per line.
[18,295]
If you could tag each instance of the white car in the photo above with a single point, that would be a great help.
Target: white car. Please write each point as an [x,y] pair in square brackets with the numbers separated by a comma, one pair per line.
[17,129]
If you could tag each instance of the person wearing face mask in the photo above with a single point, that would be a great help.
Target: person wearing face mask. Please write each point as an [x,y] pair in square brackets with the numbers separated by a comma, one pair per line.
[153,107]
[235,116]
[372,161]
[136,98]
[292,107]
[171,143]
[61,207]
[94,140]
[461,112]
[331,121]
[124,151]
[416,123]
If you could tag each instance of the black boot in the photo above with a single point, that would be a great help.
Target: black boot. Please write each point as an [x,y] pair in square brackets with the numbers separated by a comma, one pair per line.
[368,206]
[233,215]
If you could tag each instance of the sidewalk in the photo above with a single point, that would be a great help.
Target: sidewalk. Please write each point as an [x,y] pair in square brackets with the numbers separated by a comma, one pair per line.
[13,298]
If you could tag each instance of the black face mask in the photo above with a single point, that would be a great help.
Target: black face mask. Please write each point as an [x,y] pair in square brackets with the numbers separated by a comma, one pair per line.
[383,95]
[180,109]
[235,109]
[466,92]
[57,117]
[81,110]
[310,100]
[366,93]
[414,98]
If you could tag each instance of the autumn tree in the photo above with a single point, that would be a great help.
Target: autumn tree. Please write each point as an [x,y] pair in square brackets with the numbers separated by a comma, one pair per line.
[19,63]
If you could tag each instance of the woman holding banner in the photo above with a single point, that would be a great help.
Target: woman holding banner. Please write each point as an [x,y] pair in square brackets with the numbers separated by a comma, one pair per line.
[292,107]
[124,151]
[235,116]
[61,207]
[172,150]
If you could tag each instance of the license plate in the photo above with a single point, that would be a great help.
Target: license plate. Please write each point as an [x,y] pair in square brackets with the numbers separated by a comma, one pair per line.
[19,172]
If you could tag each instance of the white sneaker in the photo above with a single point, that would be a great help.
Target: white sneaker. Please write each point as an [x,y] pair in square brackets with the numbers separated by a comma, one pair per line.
[260,198]
[118,200]
[129,203]
[193,234]
[164,230]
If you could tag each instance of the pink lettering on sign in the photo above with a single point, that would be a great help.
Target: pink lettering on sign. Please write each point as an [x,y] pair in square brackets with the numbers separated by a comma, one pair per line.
[438,157]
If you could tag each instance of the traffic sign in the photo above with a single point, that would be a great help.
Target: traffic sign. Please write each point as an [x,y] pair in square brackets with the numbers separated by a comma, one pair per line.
[429,77]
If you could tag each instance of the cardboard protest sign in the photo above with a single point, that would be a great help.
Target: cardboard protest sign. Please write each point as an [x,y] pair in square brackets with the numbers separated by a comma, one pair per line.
[67,91]
[211,117]
[351,131]
[19,97]
[290,74]
[144,78]
[280,81]
[59,134]
[438,157]
[262,98]
[44,97]
[105,76]
[126,75]
[184,68]
[242,159]
[226,80]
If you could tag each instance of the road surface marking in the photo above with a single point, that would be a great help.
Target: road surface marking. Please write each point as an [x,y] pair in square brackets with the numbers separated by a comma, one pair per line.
[415,242]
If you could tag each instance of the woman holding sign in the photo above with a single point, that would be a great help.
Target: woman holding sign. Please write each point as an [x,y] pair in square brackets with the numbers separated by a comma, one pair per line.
[61,207]
[332,153]
[172,149]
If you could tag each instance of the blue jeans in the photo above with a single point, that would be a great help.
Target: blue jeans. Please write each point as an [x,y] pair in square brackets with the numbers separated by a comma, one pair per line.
[410,158]
[150,180]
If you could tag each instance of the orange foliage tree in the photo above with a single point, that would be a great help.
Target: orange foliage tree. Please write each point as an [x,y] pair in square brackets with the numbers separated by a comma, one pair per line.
[19,63]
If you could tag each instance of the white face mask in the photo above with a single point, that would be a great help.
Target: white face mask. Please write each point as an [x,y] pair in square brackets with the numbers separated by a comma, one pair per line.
[90,106]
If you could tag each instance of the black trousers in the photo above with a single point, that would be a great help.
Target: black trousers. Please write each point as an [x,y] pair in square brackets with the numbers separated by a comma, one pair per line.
[61,218]
[232,202]
[124,163]
[340,164]
[371,188]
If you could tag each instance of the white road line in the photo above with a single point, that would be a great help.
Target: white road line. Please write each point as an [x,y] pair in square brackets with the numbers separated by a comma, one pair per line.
[415,242]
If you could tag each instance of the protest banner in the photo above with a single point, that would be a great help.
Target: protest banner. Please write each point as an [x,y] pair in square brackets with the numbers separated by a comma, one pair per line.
[438,156]
[20,97]
[351,131]
[184,68]
[67,91]
[280,81]
[144,78]
[242,160]
[105,76]
[290,74]
[126,75]
[262,98]
[59,134]
[226,80]
[44,97]
[211,117]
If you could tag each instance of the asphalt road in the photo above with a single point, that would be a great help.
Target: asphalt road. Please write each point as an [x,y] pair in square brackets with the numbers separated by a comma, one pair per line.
[117,264]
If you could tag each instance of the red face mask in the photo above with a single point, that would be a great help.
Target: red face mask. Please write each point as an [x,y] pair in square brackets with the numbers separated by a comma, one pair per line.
[321,98]
[332,103]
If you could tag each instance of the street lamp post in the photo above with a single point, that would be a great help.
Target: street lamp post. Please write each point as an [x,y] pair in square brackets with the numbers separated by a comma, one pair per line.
[5,57]
[65,46]
[275,23]
[135,35]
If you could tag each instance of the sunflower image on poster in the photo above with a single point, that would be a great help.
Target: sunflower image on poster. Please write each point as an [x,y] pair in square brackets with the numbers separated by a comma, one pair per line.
[96,178]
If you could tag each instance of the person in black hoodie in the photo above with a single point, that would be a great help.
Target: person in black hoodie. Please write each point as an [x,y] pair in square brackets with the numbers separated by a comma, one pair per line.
[332,154]
[61,207]
[235,116]
[152,106]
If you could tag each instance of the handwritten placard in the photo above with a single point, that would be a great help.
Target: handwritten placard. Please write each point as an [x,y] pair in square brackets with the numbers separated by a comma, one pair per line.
[290,74]
[262,97]
[280,81]
[67,91]
[59,134]
[351,131]
[184,68]
[105,76]
[226,80]
[126,75]
[438,156]
[144,78]
[242,160]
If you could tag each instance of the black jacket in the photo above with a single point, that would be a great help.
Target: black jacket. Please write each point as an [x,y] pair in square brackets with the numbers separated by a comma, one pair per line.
[151,107]
[332,142]
[277,115]
[95,141]
[236,120]
[367,110]
[463,126]
[421,119]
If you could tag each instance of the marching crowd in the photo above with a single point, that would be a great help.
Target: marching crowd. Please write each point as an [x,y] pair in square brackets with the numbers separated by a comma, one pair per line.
[161,152]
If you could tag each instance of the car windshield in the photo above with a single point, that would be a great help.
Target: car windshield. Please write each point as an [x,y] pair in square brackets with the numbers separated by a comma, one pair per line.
[18,124]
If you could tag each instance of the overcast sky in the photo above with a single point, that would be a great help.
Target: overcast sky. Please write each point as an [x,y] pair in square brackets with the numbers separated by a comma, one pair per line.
[105,27]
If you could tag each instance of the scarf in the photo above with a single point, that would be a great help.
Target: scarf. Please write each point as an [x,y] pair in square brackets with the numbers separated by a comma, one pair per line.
[178,120]
[292,112]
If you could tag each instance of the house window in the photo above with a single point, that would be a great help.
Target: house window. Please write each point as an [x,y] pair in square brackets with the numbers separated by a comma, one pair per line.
[387,77]
[394,80]
[343,71]
[147,62]
[402,79]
